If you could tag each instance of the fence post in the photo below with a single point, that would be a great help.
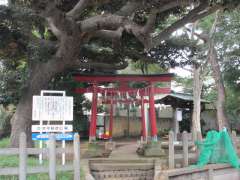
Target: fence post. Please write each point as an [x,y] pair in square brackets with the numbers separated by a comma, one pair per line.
[234,139]
[76,161]
[199,138]
[52,157]
[185,148]
[171,150]
[22,156]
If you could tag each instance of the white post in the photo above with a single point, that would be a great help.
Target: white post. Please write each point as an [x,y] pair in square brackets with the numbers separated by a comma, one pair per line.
[41,144]
[52,157]
[22,157]
[63,141]
[63,146]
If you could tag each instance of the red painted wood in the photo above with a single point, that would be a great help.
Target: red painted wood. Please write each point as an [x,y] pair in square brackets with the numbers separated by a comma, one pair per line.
[125,78]
[142,92]
[143,118]
[111,120]
[127,101]
[152,113]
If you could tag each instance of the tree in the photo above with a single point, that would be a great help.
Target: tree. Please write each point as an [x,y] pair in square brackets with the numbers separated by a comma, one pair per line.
[212,58]
[89,34]
[217,75]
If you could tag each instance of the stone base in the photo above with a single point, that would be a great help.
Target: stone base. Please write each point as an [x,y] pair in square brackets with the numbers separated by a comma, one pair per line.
[94,150]
[153,149]
[110,145]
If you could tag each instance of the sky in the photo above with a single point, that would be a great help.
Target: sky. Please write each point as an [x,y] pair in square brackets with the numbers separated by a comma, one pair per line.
[3,2]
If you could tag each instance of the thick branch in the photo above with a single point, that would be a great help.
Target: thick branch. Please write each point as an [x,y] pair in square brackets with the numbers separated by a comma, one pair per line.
[78,8]
[130,7]
[54,29]
[81,5]
[96,65]
[149,27]
[192,16]
[102,22]
[109,34]
[113,22]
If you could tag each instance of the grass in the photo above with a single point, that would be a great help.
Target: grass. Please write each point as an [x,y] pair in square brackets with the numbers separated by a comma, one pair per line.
[4,142]
[13,161]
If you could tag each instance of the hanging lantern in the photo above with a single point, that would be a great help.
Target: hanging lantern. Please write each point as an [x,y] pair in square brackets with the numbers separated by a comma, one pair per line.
[127,95]
[130,106]
[138,95]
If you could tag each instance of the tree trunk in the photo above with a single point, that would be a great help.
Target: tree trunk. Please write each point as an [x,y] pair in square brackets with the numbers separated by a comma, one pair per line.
[197,89]
[22,119]
[221,117]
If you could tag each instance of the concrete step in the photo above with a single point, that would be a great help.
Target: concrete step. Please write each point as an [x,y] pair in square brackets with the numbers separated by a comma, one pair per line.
[110,169]
[121,166]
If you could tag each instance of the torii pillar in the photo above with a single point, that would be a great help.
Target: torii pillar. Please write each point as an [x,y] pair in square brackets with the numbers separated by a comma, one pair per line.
[93,122]
[152,113]
[143,119]
[111,119]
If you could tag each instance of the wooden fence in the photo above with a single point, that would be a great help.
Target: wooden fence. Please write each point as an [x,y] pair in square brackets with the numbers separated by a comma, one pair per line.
[184,155]
[208,172]
[52,151]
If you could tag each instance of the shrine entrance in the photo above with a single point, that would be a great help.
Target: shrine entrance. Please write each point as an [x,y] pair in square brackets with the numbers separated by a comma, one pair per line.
[123,92]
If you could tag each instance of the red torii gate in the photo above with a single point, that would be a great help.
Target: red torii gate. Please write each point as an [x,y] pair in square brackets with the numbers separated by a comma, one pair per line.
[123,81]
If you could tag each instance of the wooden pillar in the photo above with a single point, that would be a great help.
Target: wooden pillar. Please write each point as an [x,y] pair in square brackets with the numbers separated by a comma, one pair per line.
[185,148]
[76,160]
[111,119]
[93,122]
[23,157]
[152,113]
[52,157]
[143,118]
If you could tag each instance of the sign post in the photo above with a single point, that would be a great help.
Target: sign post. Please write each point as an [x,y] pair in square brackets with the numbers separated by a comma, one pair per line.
[57,109]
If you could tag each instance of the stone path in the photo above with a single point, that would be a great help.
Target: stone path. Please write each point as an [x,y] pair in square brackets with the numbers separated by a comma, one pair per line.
[126,151]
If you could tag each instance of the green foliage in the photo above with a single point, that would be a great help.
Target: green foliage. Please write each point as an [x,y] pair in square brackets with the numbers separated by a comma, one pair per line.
[5,142]
[5,116]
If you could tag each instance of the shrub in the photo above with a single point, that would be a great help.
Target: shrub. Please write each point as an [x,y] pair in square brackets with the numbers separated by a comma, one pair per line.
[5,116]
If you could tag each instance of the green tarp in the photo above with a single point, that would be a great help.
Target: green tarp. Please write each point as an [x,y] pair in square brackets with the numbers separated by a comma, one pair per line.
[217,147]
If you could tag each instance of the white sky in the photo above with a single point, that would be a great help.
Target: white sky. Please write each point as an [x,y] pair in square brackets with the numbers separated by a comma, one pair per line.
[3,2]
[180,72]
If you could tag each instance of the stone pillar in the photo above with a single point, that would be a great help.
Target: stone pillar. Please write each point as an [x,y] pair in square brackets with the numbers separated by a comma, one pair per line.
[175,123]
[93,122]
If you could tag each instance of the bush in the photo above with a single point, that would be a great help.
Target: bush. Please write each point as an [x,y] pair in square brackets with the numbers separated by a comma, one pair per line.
[5,116]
